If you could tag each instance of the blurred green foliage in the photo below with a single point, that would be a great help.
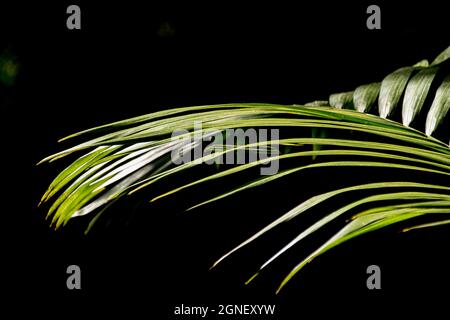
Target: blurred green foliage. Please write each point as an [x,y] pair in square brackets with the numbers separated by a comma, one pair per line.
[9,68]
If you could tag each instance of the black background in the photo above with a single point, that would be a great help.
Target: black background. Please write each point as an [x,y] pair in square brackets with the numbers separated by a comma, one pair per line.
[125,62]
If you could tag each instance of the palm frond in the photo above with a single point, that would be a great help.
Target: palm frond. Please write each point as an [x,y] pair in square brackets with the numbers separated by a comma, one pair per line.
[128,156]
[409,86]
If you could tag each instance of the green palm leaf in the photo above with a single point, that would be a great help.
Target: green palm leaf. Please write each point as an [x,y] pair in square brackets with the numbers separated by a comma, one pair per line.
[128,156]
